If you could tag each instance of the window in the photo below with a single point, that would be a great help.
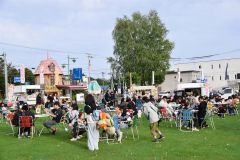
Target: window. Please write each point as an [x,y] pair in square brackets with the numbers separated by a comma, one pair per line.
[52,80]
[220,78]
[199,66]
[238,75]
[212,78]
[212,66]
[219,66]
[235,76]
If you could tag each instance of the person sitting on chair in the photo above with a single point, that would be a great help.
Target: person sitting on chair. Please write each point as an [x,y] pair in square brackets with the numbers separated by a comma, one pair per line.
[26,112]
[56,113]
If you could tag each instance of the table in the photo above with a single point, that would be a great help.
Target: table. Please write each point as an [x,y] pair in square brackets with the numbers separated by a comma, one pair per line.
[40,116]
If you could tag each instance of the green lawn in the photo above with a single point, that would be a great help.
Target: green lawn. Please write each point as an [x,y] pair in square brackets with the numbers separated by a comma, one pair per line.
[221,143]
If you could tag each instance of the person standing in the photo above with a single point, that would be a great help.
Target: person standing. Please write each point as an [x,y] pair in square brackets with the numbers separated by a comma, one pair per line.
[202,110]
[92,131]
[151,112]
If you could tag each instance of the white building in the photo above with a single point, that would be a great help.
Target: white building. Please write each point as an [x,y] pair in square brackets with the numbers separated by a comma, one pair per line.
[219,73]
[171,79]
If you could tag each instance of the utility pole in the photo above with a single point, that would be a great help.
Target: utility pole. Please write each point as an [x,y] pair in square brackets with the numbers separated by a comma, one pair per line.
[68,65]
[6,75]
[89,67]
[68,69]
[103,77]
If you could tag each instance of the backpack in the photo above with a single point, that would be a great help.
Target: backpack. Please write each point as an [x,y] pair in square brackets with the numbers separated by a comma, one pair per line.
[139,104]
[102,123]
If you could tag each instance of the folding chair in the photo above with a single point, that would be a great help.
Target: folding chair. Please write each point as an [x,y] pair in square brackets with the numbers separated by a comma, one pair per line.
[9,121]
[133,124]
[186,120]
[26,122]
[165,115]
[209,116]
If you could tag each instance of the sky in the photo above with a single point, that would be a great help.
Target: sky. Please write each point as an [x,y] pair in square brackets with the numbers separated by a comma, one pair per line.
[76,27]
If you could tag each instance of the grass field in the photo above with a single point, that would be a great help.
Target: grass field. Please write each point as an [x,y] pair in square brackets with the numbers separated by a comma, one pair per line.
[221,143]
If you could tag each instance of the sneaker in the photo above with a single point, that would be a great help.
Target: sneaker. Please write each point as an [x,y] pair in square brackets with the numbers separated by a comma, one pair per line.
[195,129]
[19,137]
[73,139]
[79,137]
[161,137]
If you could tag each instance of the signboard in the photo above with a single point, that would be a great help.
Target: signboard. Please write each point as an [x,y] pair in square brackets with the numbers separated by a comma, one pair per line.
[51,89]
[80,97]
[22,74]
[16,79]
[77,74]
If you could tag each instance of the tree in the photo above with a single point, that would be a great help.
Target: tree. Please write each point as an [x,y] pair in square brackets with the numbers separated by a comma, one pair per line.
[12,72]
[29,77]
[141,46]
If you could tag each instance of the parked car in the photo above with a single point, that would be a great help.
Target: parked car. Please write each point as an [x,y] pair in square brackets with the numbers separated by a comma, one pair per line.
[164,93]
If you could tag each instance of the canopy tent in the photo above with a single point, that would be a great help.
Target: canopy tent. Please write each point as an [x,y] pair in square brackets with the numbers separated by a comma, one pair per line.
[94,87]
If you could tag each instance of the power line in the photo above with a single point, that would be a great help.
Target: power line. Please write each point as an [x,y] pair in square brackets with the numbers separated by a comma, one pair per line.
[48,50]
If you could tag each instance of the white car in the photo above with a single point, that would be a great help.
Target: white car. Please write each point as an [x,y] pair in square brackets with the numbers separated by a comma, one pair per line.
[164,93]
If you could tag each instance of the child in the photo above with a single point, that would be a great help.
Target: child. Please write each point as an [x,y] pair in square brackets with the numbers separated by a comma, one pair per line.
[73,118]
[4,110]
[81,124]
[116,120]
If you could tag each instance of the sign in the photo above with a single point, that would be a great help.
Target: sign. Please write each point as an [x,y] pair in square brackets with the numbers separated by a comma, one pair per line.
[16,79]
[42,75]
[77,74]
[22,73]
[80,97]
[10,92]
[51,89]
[202,80]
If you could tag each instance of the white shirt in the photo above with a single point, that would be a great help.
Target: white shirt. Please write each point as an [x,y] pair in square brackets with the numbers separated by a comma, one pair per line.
[151,111]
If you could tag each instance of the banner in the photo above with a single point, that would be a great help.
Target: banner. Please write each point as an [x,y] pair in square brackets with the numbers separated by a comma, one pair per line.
[77,74]
[22,73]
[42,75]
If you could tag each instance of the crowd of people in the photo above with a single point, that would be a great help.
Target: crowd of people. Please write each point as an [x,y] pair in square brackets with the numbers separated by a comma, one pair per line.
[96,120]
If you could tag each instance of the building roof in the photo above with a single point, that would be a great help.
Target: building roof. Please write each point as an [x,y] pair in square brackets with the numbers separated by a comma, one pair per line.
[77,87]
[188,71]
[45,66]
[211,60]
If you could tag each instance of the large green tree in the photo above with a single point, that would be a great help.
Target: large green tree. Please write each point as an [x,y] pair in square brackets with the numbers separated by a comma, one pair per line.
[12,71]
[141,46]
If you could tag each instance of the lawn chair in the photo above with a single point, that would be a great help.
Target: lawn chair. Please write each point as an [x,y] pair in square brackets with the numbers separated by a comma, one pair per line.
[9,117]
[26,122]
[186,120]
[131,125]
[209,116]
[166,116]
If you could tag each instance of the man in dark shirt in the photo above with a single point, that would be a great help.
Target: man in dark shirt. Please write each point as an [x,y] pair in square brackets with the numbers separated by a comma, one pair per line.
[56,113]
[202,109]
[26,112]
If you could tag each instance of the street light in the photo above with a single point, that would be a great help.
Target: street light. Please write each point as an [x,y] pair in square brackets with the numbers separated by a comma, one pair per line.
[6,75]
[68,64]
